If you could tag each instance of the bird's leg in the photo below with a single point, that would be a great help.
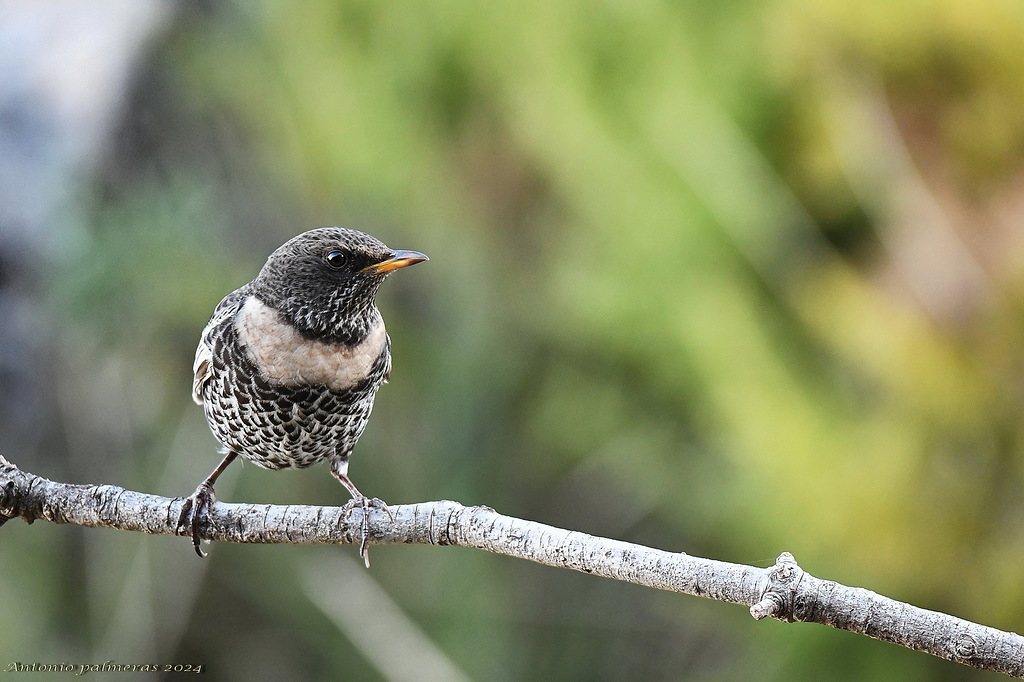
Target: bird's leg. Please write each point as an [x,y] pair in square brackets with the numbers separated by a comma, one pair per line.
[365,503]
[201,501]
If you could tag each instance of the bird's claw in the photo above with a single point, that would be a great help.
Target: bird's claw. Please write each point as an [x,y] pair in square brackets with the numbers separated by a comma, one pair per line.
[192,513]
[364,504]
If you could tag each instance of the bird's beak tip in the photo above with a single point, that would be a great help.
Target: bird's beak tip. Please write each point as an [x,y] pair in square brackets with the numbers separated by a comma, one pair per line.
[398,259]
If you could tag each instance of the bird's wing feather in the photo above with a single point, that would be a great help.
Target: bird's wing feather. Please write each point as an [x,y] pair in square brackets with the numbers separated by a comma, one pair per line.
[202,368]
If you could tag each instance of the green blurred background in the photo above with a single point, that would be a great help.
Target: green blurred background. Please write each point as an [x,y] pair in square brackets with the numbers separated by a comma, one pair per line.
[724,278]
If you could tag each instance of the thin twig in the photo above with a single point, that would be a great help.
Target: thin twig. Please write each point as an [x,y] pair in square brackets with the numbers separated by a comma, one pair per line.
[784,591]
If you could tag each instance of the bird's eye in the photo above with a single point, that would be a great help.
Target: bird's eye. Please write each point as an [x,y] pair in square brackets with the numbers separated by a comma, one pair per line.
[336,259]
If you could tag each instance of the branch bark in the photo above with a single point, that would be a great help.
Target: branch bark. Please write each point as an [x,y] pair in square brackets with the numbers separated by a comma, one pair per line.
[784,591]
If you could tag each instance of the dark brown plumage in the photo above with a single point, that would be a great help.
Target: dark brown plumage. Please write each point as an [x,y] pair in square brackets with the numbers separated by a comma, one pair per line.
[288,365]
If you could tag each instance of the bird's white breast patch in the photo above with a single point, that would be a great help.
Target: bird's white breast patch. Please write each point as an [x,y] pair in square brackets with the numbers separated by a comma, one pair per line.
[284,357]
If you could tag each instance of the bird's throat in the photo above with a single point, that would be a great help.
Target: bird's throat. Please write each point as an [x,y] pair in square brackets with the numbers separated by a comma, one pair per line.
[286,357]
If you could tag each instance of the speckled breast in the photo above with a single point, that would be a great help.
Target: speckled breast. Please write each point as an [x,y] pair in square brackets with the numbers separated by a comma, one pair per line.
[277,425]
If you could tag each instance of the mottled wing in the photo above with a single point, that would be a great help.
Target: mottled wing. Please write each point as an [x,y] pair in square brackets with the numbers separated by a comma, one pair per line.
[202,367]
[201,370]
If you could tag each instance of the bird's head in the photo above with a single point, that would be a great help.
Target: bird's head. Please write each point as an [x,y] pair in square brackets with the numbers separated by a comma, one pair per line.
[324,281]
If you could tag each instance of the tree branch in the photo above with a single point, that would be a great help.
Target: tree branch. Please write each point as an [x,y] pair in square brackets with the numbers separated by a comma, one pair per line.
[784,591]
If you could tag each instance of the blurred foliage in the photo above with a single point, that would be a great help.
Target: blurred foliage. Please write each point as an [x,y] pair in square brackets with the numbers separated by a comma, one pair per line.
[729,279]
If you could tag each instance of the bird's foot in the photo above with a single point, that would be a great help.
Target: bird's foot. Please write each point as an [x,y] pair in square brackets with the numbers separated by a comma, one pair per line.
[192,512]
[364,504]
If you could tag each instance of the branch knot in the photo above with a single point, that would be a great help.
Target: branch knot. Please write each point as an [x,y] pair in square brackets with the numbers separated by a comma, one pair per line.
[778,599]
[965,647]
[8,502]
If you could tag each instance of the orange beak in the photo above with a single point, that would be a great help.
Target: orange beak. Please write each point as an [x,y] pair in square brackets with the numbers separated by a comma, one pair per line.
[398,259]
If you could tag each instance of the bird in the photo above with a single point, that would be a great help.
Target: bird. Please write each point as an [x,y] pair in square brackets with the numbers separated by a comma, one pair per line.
[288,366]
